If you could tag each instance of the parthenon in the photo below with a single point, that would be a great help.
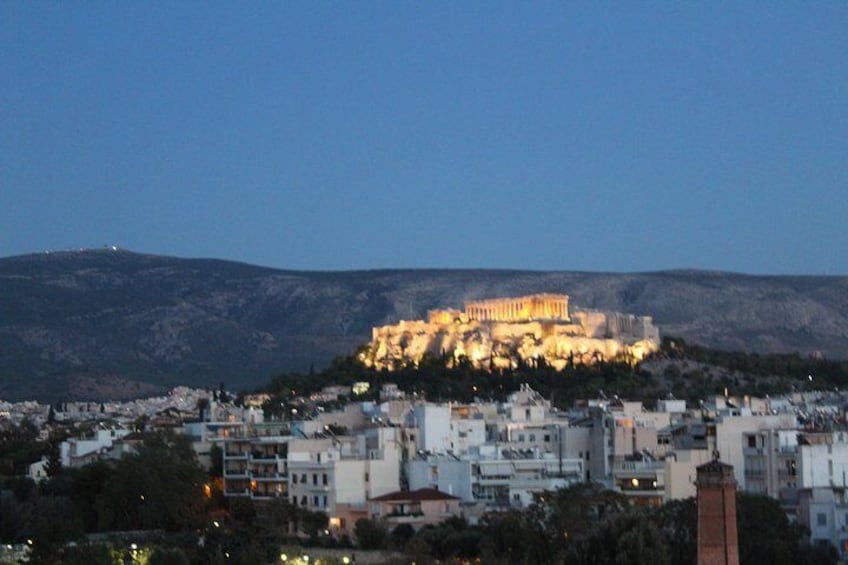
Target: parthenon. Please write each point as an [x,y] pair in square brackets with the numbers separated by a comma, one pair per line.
[521,309]
[503,332]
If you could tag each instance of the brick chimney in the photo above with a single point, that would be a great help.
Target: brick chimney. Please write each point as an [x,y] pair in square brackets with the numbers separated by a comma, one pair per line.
[717,538]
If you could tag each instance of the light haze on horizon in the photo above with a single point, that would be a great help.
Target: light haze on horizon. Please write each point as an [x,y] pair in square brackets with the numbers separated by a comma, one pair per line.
[333,136]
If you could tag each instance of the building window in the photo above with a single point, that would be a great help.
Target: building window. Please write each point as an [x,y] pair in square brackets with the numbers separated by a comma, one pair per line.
[315,500]
[294,479]
[366,477]
[532,437]
[547,438]
[752,441]
[324,478]
[314,479]
[303,478]
[303,500]
[821,519]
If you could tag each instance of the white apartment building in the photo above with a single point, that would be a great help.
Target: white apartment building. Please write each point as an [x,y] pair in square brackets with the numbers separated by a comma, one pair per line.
[333,474]
[824,511]
[770,461]
[493,478]
[76,452]
[822,460]
[729,429]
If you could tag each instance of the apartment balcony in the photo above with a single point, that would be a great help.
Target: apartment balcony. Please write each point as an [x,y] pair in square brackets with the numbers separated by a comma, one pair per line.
[237,492]
[638,466]
[275,477]
[268,495]
[266,468]
[235,455]
[262,457]
[313,489]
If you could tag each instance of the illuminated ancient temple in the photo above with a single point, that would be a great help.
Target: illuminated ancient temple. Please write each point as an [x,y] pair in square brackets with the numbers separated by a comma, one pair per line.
[503,332]
[522,309]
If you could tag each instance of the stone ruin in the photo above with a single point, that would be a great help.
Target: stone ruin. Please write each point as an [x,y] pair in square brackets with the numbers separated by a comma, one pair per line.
[502,333]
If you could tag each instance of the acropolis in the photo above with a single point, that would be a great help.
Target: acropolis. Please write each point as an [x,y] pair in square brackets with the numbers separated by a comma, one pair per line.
[501,333]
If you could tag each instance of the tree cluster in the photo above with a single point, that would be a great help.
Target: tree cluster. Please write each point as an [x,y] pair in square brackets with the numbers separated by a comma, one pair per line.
[588,525]
[160,487]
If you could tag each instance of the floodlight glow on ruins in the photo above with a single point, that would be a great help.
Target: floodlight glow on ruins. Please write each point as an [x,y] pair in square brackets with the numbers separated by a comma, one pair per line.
[501,333]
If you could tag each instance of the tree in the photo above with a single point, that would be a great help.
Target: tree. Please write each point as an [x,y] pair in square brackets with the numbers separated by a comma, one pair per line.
[53,523]
[216,455]
[624,538]
[677,520]
[202,408]
[766,536]
[401,535]
[54,460]
[168,556]
[513,537]
[313,522]
[280,514]
[370,534]
[161,486]
[87,554]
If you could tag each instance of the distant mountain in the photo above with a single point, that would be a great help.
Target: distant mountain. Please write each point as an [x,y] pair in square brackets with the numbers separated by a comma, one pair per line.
[110,323]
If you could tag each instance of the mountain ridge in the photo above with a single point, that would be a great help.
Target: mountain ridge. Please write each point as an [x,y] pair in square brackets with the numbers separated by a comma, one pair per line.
[113,316]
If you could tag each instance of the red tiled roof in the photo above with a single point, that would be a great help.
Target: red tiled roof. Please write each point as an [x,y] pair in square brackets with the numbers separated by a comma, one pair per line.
[414,496]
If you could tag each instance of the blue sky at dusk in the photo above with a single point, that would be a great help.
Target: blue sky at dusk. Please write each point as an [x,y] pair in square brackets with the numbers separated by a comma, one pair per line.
[593,136]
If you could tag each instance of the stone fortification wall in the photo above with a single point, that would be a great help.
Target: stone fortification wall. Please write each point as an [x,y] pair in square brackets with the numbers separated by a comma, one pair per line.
[586,337]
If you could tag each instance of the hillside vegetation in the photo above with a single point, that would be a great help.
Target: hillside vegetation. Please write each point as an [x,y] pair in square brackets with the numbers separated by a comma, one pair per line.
[677,370]
[110,324]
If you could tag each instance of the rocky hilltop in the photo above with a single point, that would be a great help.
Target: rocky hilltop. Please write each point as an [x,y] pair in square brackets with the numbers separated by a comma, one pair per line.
[116,323]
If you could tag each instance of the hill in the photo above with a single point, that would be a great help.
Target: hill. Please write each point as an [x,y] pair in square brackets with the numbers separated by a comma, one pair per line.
[115,323]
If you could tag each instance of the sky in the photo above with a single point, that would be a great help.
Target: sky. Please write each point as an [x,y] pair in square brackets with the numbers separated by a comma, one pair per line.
[630,136]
